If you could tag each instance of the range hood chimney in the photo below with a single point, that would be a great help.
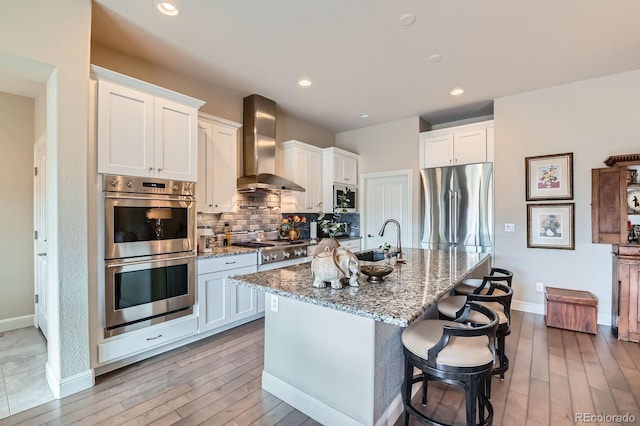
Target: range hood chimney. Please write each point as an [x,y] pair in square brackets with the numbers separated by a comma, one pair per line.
[259,148]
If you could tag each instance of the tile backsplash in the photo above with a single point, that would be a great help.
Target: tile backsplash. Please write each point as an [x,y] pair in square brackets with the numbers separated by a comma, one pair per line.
[260,211]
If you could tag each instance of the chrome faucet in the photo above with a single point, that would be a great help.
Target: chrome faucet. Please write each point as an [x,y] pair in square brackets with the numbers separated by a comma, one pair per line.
[399,244]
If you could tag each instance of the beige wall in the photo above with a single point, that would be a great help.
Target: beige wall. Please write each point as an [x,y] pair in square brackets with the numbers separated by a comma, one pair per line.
[221,102]
[593,119]
[49,42]
[16,195]
[386,147]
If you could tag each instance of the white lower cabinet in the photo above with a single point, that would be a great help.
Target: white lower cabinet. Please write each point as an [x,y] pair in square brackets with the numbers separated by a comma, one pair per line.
[353,245]
[139,341]
[220,302]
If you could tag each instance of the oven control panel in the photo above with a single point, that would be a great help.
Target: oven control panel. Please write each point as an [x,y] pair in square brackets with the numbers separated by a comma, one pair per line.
[138,185]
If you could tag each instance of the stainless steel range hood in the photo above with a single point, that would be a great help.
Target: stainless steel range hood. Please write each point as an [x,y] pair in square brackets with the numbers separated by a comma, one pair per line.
[259,148]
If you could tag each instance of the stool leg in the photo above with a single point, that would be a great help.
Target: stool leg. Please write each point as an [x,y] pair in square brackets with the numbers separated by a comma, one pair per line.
[424,389]
[504,361]
[471,397]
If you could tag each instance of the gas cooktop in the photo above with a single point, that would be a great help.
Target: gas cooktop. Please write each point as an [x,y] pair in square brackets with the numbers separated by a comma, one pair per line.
[270,243]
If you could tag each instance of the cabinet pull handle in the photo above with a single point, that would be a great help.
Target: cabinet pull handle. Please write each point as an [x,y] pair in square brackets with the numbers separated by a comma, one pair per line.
[154,338]
[229,263]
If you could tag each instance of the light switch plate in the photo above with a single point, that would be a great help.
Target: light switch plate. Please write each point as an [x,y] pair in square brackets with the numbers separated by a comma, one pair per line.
[509,227]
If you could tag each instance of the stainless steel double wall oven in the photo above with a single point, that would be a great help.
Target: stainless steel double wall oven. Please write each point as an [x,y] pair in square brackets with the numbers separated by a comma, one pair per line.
[150,263]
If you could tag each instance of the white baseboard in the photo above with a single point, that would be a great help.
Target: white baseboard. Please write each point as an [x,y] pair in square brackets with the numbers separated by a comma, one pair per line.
[538,308]
[70,385]
[392,413]
[309,405]
[16,323]
[534,308]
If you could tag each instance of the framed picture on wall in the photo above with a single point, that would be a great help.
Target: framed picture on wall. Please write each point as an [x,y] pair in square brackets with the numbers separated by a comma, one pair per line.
[549,177]
[551,226]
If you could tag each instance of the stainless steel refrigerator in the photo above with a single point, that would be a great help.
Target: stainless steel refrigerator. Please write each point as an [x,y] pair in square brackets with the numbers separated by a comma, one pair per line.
[458,207]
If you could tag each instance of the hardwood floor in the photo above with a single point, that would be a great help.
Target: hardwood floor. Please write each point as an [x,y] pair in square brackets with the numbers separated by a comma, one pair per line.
[553,374]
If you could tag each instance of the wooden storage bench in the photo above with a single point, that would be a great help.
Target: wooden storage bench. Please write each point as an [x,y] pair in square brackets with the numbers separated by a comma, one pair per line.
[575,310]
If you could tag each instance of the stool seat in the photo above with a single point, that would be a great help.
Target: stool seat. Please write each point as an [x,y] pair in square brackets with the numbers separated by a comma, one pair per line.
[450,306]
[480,285]
[420,336]
[453,352]
[495,296]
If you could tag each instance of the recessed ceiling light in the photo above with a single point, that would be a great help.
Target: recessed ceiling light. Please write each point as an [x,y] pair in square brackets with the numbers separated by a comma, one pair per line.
[364,115]
[304,82]
[457,91]
[167,8]
[435,58]
[407,19]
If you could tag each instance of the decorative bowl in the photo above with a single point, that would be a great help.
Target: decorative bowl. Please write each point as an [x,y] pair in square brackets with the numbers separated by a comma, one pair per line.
[376,272]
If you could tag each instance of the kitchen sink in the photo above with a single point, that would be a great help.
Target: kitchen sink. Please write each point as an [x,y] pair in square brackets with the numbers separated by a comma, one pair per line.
[370,256]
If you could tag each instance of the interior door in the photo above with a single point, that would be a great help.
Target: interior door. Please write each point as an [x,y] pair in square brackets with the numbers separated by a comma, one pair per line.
[386,197]
[40,234]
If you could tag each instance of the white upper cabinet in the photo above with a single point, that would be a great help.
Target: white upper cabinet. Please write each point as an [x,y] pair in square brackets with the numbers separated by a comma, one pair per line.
[345,166]
[302,163]
[466,144]
[145,130]
[217,164]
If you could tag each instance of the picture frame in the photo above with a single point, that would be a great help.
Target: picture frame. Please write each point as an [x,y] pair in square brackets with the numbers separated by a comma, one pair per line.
[551,226]
[549,177]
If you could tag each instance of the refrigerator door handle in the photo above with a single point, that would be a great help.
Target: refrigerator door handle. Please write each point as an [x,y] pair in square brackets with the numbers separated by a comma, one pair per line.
[451,216]
[454,222]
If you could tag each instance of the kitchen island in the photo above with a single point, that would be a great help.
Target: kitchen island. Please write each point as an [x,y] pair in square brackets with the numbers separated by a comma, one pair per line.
[336,355]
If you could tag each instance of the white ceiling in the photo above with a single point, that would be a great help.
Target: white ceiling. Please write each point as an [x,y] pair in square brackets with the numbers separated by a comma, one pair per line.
[361,60]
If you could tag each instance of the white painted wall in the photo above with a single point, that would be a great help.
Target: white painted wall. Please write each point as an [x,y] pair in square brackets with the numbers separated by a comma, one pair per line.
[386,147]
[49,42]
[16,199]
[593,119]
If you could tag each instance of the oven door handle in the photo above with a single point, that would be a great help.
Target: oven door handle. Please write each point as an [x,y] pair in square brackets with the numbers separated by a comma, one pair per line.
[133,197]
[138,262]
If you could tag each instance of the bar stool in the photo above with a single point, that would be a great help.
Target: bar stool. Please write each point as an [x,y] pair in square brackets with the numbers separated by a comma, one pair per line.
[479,285]
[498,298]
[452,352]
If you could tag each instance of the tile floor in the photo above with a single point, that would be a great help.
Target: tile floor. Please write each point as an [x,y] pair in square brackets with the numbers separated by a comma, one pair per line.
[23,385]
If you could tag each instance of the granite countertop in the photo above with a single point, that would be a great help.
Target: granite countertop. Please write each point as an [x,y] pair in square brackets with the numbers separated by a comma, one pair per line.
[226,251]
[404,296]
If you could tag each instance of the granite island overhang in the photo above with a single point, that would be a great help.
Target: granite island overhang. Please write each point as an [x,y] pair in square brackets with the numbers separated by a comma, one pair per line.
[336,354]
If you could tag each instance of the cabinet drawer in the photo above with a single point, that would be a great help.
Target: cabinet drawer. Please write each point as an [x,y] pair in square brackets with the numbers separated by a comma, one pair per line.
[353,245]
[141,340]
[216,264]
[629,250]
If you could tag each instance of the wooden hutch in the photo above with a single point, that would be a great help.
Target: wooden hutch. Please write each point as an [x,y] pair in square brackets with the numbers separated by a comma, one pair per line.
[615,219]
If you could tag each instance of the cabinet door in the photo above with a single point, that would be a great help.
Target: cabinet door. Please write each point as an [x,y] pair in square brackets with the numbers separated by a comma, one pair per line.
[175,141]
[125,130]
[629,315]
[313,181]
[345,169]
[304,167]
[437,151]
[470,146]
[609,205]
[243,302]
[225,168]
[213,307]
[205,171]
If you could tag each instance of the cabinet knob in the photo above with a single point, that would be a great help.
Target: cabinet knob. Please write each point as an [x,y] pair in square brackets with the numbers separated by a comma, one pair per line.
[159,169]
[150,169]
[210,205]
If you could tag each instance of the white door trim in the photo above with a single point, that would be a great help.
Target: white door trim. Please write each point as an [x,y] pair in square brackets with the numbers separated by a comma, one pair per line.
[407,230]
